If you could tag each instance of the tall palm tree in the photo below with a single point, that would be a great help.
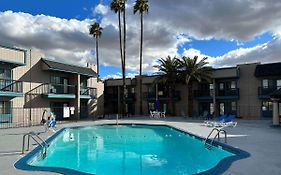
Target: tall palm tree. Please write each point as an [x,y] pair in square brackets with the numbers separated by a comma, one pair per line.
[125,94]
[96,31]
[193,69]
[141,6]
[118,6]
[168,68]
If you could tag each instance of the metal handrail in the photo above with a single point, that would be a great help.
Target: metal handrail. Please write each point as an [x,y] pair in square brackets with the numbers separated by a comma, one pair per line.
[33,135]
[217,135]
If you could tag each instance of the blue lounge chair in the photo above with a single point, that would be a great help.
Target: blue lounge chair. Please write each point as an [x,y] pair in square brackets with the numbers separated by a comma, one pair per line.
[228,122]
[220,119]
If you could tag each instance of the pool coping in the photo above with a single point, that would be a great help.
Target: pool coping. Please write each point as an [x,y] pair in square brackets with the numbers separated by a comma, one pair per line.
[220,168]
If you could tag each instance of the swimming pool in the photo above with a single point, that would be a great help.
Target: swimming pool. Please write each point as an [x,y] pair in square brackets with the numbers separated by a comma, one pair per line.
[130,150]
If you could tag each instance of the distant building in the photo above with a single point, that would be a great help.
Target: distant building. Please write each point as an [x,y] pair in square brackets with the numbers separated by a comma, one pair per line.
[31,84]
[243,90]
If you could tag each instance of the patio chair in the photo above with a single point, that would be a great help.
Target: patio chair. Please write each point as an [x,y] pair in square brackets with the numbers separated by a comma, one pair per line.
[220,119]
[228,122]
[151,114]
[163,114]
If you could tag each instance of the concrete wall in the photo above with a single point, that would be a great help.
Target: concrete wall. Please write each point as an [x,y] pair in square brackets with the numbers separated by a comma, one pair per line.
[248,104]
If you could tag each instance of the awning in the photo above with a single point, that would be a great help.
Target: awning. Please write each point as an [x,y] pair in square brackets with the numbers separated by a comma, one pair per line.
[61,67]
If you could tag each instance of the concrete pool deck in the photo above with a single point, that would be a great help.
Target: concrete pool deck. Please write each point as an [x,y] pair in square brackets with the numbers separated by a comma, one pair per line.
[254,136]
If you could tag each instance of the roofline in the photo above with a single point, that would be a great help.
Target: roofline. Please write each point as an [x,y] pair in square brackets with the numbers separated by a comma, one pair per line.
[44,60]
[14,48]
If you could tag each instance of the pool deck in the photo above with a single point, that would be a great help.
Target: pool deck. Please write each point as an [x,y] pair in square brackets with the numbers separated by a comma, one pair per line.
[256,137]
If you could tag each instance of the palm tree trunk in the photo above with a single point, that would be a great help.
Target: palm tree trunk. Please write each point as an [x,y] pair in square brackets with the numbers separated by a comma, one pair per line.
[173,101]
[187,108]
[124,60]
[97,55]
[141,42]
[120,43]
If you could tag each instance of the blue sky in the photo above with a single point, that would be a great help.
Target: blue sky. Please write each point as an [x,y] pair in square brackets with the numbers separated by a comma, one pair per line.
[215,42]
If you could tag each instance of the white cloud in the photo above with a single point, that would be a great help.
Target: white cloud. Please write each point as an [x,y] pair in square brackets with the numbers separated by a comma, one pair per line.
[101,9]
[166,26]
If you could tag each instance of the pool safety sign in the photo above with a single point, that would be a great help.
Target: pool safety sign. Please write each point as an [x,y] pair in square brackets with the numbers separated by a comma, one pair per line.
[66,112]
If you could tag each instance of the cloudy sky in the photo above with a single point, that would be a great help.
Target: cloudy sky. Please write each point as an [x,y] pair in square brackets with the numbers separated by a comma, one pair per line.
[229,32]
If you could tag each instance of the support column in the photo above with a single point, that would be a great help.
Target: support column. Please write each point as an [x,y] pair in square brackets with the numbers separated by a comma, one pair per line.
[275,119]
[78,98]
[118,100]
[214,98]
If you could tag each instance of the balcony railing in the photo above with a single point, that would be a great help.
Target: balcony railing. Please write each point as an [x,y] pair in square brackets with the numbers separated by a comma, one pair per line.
[11,86]
[164,95]
[114,96]
[226,93]
[55,89]
[266,91]
[88,91]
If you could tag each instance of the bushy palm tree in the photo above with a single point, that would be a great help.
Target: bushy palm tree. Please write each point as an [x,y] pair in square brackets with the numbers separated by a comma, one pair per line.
[118,6]
[141,6]
[192,69]
[169,70]
[96,31]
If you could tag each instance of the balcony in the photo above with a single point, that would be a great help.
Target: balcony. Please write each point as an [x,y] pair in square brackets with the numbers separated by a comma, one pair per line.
[10,88]
[220,94]
[58,91]
[151,96]
[228,94]
[264,92]
[88,93]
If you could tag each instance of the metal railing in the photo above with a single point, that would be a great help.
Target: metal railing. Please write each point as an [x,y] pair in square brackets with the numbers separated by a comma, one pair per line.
[88,91]
[164,95]
[219,93]
[267,90]
[35,137]
[216,136]
[11,86]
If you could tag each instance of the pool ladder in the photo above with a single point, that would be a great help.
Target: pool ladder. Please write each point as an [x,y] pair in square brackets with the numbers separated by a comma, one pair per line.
[34,136]
[209,145]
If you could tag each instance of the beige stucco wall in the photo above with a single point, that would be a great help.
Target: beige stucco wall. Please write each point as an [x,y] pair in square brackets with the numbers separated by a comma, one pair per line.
[11,55]
[248,104]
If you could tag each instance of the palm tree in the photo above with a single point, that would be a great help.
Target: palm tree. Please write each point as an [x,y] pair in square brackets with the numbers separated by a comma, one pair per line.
[141,6]
[193,69]
[124,56]
[96,31]
[118,6]
[168,68]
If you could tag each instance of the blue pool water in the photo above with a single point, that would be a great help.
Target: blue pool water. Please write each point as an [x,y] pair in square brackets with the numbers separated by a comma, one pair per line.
[130,150]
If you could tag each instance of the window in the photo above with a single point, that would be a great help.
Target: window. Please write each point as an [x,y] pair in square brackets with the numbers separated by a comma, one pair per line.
[221,86]
[5,74]
[278,84]
[221,108]
[233,106]
[5,107]
[233,85]
[265,83]
[212,110]
[211,86]
[83,83]
[133,90]
[267,106]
